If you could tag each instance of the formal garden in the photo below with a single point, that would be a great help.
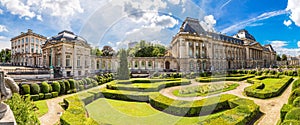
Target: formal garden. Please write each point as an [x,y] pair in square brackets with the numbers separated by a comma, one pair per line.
[235,97]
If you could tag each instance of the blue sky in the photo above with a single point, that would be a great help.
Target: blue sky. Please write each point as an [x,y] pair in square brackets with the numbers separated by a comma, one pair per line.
[117,22]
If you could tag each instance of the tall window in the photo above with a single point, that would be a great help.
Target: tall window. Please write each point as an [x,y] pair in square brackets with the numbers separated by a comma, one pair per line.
[98,64]
[78,62]
[68,59]
[26,39]
[85,62]
[191,65]
[32,40]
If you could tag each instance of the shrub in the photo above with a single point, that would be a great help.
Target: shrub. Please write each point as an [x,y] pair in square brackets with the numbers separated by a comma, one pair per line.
[35,89]
[54,94]
[50,88]
[44,87]
[23,110]
[291,122]
[56,86]
[290,73]
[295,93]
[67,85]
[41,95]
[94,82]
[35,97]
[81,87]
[48,95]
[88,81]
[296,102]
[62,88]
[296,84]
[26,89]
[293,114]
[285,109]
[72,84]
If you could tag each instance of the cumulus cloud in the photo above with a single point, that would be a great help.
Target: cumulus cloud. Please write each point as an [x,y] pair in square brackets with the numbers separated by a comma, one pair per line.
[280,47]
[17,7]
[240,25]
[293,7]
[1,11]
[287,22]
[3,28]
[209,23]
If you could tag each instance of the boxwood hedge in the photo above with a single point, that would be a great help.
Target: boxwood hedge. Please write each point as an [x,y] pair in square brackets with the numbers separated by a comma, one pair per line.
[34,89]
[259,91]
[244,110]
[229,78]
[126,95]
[25,89]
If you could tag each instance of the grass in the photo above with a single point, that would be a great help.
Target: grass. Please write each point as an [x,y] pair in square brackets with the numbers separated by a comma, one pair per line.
[269,81]
[135,113]
[42,107]
[205,90]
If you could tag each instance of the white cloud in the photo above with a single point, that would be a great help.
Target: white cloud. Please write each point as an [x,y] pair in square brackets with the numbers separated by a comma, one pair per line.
[4,42]
[1,11]
[293,7]
[287,22]
[3,28]
[39,17]
[243,24]
[280,48]
[209,23]
[17,7]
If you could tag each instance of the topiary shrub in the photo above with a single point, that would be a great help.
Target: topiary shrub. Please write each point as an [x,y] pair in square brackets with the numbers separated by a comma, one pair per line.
[35,97]
[34,89]
[48,95]
[41,95]
[72,84]
[81,87]
[285,109]
[94,82]
[67,85]
[50,88]
[44,87]
[294,114]
[56,86]
[54,94]
[88,81]
[295,93]
[296,84]
[296,102]
[25,89]
[62,88]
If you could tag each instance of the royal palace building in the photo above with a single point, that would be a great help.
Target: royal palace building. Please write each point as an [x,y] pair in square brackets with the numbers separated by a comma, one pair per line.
[26,49]
[192,49]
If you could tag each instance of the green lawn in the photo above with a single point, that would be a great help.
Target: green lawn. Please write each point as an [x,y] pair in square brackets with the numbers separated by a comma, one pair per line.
[270,80]
[135,113]
[42,107]
[205,90]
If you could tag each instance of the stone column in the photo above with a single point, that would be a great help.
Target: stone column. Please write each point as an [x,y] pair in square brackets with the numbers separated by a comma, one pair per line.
[194,52]
[63,61]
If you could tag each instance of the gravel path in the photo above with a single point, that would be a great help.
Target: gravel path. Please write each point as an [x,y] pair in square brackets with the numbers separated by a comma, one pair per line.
[55,110]
[270,107]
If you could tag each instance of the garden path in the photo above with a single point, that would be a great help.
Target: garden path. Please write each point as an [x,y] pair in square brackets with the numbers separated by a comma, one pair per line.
[55,110]
[270,107]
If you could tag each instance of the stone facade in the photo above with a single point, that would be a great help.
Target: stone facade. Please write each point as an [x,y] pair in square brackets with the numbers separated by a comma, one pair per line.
[26,49]
[196,50]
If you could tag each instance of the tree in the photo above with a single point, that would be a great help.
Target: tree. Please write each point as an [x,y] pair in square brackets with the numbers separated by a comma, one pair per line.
[278,58]
[96,51]
[284,57]
[107,51]
[144,49]
[123,71]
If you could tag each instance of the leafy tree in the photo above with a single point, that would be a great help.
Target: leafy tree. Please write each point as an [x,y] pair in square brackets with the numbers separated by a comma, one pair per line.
[23,110]
[144,49]
[107,51]
[284,57]
[5,55]
[96,51]
[278,58]
[123,71]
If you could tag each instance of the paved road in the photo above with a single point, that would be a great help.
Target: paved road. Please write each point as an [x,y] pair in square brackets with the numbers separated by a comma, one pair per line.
[271,107]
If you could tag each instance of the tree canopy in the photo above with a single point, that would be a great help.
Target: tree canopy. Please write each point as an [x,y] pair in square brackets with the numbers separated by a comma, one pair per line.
[278,58]
[96,51]
[146,49]
[107,51]
[5,55]
[283,57]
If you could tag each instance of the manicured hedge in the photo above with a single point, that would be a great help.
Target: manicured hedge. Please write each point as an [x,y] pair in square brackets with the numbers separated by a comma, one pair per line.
[296,102]
[62,87]
[75,113]
[26,89]
[67,85]
[126,95]
[54,94]
[295,93]
[34,89]
[244,110]
[285,109]
[142,80]
[97,93]
[48,95]
[35,97]
[87,98]
[56,86]
[230,78]
[259,91]
[41,96]
[153,87]
[72,84]
[44,87]
[293,114]
[296,84]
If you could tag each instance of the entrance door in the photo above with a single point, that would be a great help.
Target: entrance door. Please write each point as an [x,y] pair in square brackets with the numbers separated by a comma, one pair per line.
[167,64]
[229,65]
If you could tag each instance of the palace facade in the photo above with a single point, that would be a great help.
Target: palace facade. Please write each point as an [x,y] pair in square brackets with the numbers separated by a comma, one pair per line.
[26,49]
[192,49]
